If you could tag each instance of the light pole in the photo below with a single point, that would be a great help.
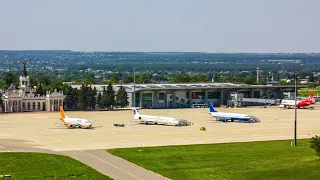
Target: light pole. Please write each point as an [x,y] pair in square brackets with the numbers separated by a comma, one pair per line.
[295,110]
[134,86]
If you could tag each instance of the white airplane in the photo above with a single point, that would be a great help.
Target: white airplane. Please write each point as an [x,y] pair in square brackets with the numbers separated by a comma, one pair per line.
[149,119]
[74,122]
[224,117]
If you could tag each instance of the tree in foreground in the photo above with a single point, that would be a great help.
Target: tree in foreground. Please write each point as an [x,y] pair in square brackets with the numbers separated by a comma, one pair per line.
[83,100]
[99,97]
[122,97]
[91,97]
[1,103]
[70,100]
[110,101]
[315,144]
[249,80]
[102,99]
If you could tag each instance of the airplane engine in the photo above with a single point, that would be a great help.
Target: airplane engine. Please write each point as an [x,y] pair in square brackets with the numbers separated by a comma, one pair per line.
[71,126]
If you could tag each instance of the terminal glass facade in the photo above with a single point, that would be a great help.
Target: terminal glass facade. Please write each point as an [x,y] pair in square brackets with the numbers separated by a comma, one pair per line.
[147,100]
[213,95]
[198,95]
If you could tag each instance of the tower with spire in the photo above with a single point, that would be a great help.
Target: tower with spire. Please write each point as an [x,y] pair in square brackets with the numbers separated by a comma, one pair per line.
[24,79]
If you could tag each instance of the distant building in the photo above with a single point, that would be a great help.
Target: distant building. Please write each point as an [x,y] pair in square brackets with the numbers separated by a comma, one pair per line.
[25,99]
[186,95]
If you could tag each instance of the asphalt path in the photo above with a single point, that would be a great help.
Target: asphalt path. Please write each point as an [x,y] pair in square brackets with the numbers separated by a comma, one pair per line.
[100,160]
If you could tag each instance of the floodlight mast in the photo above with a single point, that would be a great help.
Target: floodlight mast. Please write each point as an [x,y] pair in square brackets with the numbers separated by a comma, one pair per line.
[134,86]
[295,110]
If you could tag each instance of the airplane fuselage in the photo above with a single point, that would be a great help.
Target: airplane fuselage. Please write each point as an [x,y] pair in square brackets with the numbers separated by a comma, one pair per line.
[298,103]
[149,119]
[230,116]
[77,122]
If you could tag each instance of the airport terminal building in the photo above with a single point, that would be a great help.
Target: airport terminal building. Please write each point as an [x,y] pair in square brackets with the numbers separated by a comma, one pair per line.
[188,95]
[25,98]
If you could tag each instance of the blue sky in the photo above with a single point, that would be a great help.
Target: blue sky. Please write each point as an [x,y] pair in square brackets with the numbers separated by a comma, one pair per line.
[161,25]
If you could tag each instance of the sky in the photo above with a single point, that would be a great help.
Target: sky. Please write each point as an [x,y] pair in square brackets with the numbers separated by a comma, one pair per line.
[257,26]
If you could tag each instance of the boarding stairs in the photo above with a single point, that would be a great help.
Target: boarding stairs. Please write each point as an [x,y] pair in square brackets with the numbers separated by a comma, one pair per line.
[184,102]
[183,122]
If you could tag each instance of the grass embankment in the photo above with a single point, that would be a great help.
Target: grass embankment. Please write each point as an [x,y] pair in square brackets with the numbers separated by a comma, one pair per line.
[305,92]
[45,166]
[251,160]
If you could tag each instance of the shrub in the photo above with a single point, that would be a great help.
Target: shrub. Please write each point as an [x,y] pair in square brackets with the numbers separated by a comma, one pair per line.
[315,144]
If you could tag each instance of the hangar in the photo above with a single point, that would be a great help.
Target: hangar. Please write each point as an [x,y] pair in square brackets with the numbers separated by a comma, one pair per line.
[188,94]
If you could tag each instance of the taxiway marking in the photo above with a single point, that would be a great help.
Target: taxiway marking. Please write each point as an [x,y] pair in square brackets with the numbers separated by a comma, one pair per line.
[129,142]
[37,141]
[5,150]
[56,140]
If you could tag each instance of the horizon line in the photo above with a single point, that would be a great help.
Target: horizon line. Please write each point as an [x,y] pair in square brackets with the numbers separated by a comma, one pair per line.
[218,52]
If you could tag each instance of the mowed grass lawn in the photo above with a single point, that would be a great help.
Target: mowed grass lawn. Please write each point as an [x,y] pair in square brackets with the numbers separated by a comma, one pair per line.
[251,160]
[305,92]
[38,166]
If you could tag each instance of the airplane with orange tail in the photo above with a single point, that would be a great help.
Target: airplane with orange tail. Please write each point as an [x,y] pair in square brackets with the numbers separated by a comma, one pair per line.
[74,122]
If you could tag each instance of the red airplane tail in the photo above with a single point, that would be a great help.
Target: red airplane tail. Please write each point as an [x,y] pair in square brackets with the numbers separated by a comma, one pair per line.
[310,98]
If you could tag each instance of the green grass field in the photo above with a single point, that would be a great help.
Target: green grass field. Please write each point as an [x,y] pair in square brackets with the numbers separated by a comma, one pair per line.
[36,166]
[252,160]
[305,92]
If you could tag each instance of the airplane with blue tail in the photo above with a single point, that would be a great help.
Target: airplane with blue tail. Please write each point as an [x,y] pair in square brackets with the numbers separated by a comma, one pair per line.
[225,117]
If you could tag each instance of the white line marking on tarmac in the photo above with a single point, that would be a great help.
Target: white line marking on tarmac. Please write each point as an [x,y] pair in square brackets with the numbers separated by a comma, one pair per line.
[41,117]
[36,141]
[112,165]
[5,150]
[56,140]
[129,141]
[102,160]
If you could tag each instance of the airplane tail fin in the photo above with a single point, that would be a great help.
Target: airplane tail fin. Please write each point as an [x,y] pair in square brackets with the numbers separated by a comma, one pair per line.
[62,114]
[310,98]
[211,107]
[135,112]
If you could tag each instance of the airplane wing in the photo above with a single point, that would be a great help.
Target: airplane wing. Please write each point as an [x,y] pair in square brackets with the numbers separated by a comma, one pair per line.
[73,124]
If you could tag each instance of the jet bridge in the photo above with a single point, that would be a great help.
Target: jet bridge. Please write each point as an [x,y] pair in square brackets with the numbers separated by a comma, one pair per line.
[238,100]
[262,101]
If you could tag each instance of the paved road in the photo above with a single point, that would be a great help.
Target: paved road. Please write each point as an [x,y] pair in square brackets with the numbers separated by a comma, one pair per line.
[113,166]
[101,160]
